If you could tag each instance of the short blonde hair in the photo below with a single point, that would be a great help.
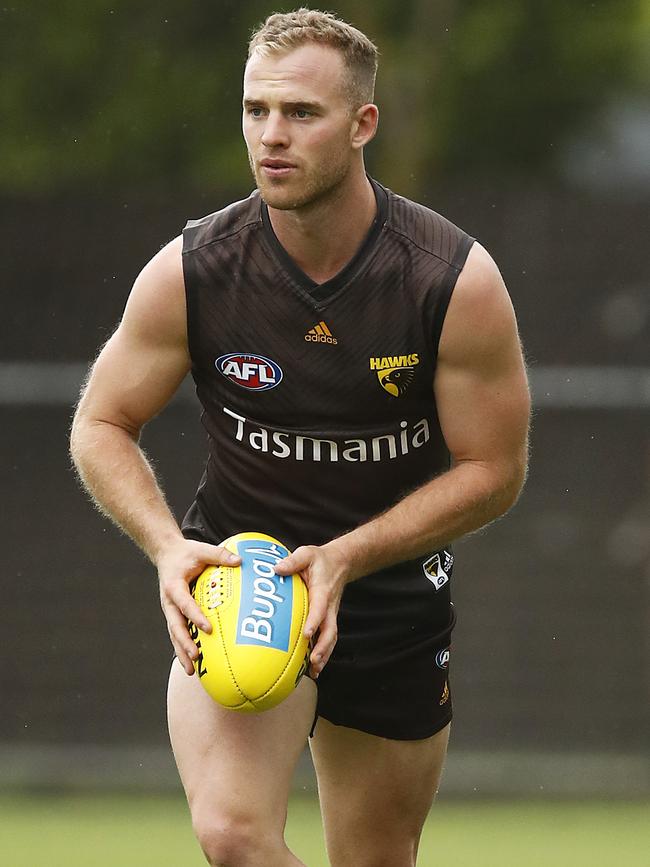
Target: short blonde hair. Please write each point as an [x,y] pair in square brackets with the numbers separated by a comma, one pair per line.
[284,31]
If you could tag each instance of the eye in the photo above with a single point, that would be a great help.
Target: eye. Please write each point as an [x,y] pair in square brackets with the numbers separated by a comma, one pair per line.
[302,113]
[256,111]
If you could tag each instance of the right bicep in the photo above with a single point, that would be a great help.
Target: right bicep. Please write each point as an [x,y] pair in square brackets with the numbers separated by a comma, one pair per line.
[146,359]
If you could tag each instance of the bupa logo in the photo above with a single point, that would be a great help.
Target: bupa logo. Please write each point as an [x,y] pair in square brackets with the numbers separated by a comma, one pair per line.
[266,599]
[254,372]
[442,658]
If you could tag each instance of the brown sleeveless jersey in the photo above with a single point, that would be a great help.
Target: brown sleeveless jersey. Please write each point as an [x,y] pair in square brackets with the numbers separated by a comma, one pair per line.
[317,399]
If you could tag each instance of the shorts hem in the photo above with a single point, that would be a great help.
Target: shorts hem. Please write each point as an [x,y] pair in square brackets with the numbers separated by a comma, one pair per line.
[393,734]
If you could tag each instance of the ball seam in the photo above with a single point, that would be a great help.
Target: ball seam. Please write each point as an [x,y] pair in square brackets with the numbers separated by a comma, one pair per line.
[232,673]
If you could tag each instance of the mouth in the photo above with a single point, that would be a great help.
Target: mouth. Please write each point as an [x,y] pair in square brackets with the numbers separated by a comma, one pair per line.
[275,168]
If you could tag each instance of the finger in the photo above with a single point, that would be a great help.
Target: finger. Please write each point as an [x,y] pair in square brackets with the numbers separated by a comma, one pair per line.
[215,555]
[191,611]
[179,632]
[296,562]
[317,612]
[325,644]
[178,597]
[185,661]
[184,648]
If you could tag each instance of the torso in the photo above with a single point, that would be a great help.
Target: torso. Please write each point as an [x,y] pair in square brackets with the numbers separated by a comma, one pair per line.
[318,399]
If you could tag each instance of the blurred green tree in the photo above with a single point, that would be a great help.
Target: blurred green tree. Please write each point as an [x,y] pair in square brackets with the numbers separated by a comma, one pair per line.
[108,93]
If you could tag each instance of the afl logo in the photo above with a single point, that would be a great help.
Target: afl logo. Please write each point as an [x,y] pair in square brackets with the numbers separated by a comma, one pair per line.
[254,372]
[442,658]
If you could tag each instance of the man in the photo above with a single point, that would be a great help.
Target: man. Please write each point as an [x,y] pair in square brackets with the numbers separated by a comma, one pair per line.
[346,344]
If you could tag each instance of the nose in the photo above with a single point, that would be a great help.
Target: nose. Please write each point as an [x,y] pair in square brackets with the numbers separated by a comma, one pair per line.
[275,132]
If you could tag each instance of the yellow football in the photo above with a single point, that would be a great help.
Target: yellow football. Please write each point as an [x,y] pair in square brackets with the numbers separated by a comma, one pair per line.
[256,652]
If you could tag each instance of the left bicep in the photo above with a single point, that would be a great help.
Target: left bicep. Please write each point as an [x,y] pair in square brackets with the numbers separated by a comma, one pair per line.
[480,384]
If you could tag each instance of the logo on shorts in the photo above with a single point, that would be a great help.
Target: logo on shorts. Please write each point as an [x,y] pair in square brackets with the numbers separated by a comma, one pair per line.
[442,658]
[395,372]
[254,372]
[444,698]
[438,568]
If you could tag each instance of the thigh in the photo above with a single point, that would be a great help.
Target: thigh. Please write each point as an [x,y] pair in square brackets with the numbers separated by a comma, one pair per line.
[375,793]
[236,767]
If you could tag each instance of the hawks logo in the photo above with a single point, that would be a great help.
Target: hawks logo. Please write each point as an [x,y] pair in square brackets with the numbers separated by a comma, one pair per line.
[438,568]
[254,372]
[395,372]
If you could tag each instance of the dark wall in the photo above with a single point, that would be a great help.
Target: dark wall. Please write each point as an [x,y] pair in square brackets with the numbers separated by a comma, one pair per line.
[576,266]
[551,648]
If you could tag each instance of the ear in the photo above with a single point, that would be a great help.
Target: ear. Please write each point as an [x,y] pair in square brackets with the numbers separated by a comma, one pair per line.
[364,125]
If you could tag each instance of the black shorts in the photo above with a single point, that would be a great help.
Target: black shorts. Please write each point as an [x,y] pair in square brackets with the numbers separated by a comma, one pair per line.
[389,672]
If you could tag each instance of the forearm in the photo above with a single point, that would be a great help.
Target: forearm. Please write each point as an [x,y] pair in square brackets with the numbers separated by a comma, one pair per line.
[460,501]
[119,478]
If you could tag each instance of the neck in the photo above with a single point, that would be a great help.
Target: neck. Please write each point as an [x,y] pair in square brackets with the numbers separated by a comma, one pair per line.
[322,237]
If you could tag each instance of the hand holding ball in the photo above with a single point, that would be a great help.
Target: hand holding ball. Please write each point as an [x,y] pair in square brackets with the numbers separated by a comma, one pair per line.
[256,652]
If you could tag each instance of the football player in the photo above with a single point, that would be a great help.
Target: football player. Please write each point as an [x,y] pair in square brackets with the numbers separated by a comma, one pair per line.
[365,398]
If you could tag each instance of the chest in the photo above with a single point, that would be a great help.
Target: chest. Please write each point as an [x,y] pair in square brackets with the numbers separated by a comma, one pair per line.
[271,350]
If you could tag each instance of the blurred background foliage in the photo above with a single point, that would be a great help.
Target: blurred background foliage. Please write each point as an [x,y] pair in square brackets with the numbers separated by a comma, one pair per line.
[99,93]
[527,123]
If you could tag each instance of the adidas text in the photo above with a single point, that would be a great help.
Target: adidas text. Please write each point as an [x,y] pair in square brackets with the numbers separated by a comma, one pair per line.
[320,333]
[320,338]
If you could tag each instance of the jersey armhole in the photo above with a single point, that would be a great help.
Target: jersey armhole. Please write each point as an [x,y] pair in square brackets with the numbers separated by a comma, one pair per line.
[191,300]
[447,288]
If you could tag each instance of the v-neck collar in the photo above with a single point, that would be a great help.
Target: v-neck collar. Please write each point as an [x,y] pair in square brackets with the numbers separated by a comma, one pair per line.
[322,291]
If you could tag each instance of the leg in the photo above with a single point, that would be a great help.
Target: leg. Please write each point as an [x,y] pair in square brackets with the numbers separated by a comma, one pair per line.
[237,770]
[375,793]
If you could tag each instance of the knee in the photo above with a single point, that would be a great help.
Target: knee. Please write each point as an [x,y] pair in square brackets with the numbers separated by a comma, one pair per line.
[227,840]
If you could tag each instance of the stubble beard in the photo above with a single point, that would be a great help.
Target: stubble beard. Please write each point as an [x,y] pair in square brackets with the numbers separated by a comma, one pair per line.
[311,188]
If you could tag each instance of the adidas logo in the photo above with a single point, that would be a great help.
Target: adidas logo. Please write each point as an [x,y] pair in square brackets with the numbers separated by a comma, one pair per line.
[320,334]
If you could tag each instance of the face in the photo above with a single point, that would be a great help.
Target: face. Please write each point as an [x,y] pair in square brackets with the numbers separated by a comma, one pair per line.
[298,125]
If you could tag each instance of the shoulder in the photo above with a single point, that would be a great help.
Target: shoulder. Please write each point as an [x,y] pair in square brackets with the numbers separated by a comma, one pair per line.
[480,312]
[222,224]
[480,284]
[156,304]
[428,230]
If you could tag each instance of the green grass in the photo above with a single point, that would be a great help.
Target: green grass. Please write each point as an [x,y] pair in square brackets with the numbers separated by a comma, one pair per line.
[148,831]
